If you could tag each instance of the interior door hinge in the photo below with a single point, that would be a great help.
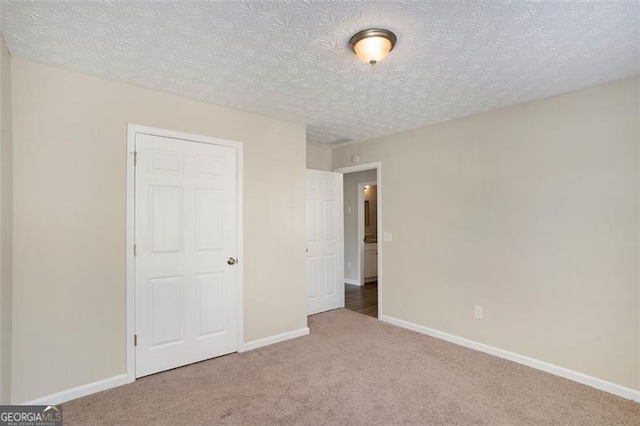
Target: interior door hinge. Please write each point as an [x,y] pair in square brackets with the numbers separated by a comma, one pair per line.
[135,250]
[135,158]
[135,340]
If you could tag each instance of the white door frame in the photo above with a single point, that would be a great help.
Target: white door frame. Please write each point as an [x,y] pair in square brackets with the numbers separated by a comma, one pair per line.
[360,211]
[132,131]
[378,167]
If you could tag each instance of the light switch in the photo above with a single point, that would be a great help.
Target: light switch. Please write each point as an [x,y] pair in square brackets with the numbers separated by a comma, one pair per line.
[386,236]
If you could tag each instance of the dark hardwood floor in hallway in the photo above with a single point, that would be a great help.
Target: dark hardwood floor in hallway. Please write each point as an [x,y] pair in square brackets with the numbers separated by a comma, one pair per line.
[362,299]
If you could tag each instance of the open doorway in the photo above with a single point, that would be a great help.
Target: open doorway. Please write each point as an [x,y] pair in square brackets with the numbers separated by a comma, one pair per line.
[362,227]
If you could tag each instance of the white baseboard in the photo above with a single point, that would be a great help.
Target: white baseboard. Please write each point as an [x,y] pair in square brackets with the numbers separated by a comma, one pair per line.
[121,379]
[255,344]
[594,382]
[80,391]
[352,282]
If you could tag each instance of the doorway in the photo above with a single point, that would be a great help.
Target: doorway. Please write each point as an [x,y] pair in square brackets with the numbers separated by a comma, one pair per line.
[367,232]
[362,227]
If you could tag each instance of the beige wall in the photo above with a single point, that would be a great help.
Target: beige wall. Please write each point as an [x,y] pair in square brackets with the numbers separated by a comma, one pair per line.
[69,229]
[6,214]
[318,157]
[531,212]
[350,190]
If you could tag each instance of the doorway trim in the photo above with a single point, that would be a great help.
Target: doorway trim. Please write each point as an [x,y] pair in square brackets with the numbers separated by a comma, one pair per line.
[361,230]
[132,131]
[378,168]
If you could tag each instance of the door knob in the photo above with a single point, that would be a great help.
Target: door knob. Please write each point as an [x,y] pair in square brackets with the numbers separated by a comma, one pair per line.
[231,261]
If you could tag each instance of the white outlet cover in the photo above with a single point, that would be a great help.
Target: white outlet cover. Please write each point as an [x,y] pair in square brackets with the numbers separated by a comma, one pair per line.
[386,236]
[479,312]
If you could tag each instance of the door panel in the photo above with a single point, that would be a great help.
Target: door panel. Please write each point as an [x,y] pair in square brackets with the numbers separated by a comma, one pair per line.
[186,295]
[325,245]
[329,275]
[167,299]
[165,219]
[211,309]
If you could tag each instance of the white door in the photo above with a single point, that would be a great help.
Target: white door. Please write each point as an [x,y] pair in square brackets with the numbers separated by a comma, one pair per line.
[325,241]
[186,295]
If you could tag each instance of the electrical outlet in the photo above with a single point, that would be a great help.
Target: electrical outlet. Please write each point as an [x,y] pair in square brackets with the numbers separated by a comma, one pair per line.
[348,264]
[479,312]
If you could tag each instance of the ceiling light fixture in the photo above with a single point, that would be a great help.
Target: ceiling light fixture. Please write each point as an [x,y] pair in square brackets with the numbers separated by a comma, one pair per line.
[373,45]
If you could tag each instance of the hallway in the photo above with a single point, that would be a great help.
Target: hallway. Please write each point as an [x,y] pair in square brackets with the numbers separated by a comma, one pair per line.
[362,299]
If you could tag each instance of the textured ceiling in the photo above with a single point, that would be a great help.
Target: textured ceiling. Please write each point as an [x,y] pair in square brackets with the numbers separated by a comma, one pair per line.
[290,58]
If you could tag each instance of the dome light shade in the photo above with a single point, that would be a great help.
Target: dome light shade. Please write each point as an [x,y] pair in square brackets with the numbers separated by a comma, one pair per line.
[373,45]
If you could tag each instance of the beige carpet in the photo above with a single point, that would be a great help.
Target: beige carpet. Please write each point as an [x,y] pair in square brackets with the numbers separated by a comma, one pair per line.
[353,369]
